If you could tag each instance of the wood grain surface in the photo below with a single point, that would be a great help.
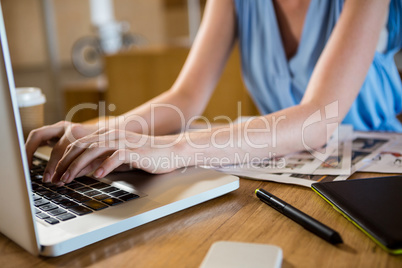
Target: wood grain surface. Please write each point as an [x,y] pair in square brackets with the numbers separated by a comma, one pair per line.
[183,239]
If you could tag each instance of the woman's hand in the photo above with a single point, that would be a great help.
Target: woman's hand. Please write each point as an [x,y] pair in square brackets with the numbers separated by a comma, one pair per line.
[108,150]
[59,136]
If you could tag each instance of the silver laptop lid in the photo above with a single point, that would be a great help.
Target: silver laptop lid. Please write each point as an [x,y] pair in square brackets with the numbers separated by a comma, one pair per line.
[17,221]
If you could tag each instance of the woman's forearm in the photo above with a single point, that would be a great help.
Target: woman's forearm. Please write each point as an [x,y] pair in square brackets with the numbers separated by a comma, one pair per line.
[297,128]
[164,114]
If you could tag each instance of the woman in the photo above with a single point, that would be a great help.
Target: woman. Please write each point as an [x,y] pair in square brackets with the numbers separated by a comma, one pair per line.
[309,66]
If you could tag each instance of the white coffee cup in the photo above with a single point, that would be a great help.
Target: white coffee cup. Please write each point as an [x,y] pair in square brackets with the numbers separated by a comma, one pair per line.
[31,102]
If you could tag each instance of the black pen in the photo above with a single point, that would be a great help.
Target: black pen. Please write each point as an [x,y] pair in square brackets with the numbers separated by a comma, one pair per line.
[300,217]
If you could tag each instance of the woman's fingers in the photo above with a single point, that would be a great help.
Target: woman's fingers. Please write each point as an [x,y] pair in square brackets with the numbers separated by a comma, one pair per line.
[150,162]
[118,158]
[41,136]
[102,150]
[76,159]
[71,152]
[55,156]
[91,167]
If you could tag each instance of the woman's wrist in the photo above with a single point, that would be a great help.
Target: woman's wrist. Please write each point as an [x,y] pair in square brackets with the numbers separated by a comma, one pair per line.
[122,122]
[181,152]
[196,149]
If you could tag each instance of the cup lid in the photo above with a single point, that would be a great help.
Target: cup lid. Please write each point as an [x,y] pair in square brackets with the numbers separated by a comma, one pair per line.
[29,96]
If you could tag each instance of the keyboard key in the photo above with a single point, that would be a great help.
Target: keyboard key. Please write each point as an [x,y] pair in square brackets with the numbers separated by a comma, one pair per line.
[92,193]
[52,187]
[40,182]
[64,191]
[74,185]
[73,195]
[43,192]
[36,172]
[48,185]
[112,201]
[37,211]
[41,202]
[101,197]
[100,185]
[119,193]
[83,189]
[39,161]
[60,200]
[42,215]
[51,221]
[95,205]
[86,180]
[37,168]
[56,212]
[80,210]
[36,197]
[36,186]
[36,161]
[51,195]
[110,189]
[37,178]
[69,204]
[128,197]
[81,198]
[39,188]
[66,216]
[48,207]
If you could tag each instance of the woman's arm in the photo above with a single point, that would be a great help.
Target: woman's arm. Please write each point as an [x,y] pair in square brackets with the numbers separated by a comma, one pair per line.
[334,85]
[195,84]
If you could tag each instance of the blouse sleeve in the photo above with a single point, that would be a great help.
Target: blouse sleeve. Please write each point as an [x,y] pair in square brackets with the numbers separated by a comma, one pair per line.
[395,26]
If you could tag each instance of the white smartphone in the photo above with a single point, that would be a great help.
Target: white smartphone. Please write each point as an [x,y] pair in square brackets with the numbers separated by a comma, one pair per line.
[237,254]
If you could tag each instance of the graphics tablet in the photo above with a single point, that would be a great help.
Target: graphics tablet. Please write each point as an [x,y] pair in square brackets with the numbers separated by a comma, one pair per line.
[374,205]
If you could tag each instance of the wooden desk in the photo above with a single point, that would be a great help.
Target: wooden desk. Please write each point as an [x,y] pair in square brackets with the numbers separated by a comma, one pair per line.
[183,239]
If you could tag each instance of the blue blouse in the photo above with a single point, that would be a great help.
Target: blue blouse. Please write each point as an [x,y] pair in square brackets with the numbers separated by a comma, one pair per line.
[275,82]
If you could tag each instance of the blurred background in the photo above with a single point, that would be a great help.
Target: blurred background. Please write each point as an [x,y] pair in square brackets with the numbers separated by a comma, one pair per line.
[122,52]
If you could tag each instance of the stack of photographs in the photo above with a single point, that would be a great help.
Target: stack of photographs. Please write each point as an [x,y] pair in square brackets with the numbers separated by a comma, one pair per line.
[345,153]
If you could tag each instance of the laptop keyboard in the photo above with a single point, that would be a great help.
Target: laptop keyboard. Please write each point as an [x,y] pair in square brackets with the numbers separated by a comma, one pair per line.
[81,197]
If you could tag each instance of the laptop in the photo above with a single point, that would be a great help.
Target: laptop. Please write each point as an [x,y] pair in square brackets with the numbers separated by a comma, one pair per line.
[145,198]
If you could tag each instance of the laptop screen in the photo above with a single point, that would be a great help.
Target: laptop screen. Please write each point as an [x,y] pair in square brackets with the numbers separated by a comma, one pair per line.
[17,220]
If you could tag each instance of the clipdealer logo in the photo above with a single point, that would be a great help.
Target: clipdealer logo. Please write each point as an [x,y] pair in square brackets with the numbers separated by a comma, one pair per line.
[331,111]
